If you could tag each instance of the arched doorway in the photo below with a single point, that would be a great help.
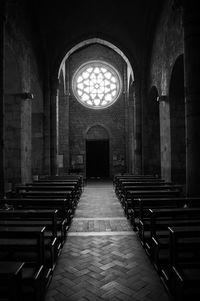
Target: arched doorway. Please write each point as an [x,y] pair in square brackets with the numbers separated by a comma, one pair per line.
[177,120]
[97,152]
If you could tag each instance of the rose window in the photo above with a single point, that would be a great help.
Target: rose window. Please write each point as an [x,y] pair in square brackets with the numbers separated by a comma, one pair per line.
[96,85]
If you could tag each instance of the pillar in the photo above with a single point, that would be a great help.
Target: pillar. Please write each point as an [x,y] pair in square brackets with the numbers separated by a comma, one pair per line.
[54,129]
[191,25]
[64,95]
[165,137]
[137,168]
[47,122]
[2,10]
[131,128]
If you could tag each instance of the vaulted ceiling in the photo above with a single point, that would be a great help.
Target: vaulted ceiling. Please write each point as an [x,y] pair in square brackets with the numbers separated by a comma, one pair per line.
[59,25]
[127,24]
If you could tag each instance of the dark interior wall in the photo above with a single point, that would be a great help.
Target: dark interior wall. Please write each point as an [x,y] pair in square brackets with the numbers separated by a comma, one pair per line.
[151,136]
[167,46]
[177,116]
[81,119]
[12,119]
[37,127]
[23,121]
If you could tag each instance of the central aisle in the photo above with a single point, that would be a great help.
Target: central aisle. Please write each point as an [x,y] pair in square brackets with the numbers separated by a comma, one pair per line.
[102,258]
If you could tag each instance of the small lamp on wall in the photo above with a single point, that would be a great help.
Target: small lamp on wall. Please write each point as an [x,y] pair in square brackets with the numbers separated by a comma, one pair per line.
[161,98]
[26,95]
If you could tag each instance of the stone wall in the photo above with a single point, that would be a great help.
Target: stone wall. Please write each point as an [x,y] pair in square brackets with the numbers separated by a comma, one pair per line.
[81,119]
[167,46]
[23,151]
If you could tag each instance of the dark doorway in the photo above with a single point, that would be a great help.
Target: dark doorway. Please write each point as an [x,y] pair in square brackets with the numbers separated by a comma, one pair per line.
[97,158]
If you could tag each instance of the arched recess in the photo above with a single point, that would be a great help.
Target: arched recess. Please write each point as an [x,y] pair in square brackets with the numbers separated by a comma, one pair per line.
[97,152]
[151,136]
[177,120]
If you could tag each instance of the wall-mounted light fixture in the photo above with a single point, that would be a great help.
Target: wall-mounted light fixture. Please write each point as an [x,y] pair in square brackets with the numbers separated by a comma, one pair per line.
[162,98]
[26,95]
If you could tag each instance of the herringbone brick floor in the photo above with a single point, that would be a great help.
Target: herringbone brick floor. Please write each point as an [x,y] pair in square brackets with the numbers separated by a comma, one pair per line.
[102,258]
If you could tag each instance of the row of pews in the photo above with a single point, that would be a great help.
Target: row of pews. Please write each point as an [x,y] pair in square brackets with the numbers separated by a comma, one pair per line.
[168,227]
[34,220]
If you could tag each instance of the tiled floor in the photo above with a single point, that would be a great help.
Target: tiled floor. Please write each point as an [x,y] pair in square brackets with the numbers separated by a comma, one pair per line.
[102,258]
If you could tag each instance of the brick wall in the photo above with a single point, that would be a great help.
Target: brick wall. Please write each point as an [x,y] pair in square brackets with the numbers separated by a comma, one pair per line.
[81,119]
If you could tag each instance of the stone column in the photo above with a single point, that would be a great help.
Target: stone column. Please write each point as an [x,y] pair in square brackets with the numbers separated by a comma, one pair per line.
[47,147]
[127,150]
[54,130]
[137,167]
[64,96]
[191,25]
[2,10]
[131,128]
[165,137]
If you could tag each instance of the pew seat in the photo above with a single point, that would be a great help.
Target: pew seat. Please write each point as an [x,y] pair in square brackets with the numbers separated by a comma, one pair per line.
[11,280]
[28,218]
[157,246]
[64,214]
[142,220]
[27,245]
[182,274]
[132,201]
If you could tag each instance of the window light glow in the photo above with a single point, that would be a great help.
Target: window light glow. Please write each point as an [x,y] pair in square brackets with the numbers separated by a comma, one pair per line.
[96,85]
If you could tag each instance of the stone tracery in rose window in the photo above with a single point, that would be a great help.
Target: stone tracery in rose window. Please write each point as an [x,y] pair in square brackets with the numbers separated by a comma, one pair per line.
[96,85]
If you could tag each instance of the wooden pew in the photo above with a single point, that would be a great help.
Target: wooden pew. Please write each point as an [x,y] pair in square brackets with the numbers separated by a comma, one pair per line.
[28,218]
[62,205]
[69,190]
[127,190]
[132,203]
[142,213]
[118,179]
[182,276]
[27,245]
[144,204]
[63,178]
[11,280]
[161,219]
[76,184]
[48,191]
[68,195]
[119,189]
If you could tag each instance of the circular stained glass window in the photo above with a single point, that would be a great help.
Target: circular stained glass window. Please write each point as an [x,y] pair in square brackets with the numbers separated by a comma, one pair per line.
[96,85]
